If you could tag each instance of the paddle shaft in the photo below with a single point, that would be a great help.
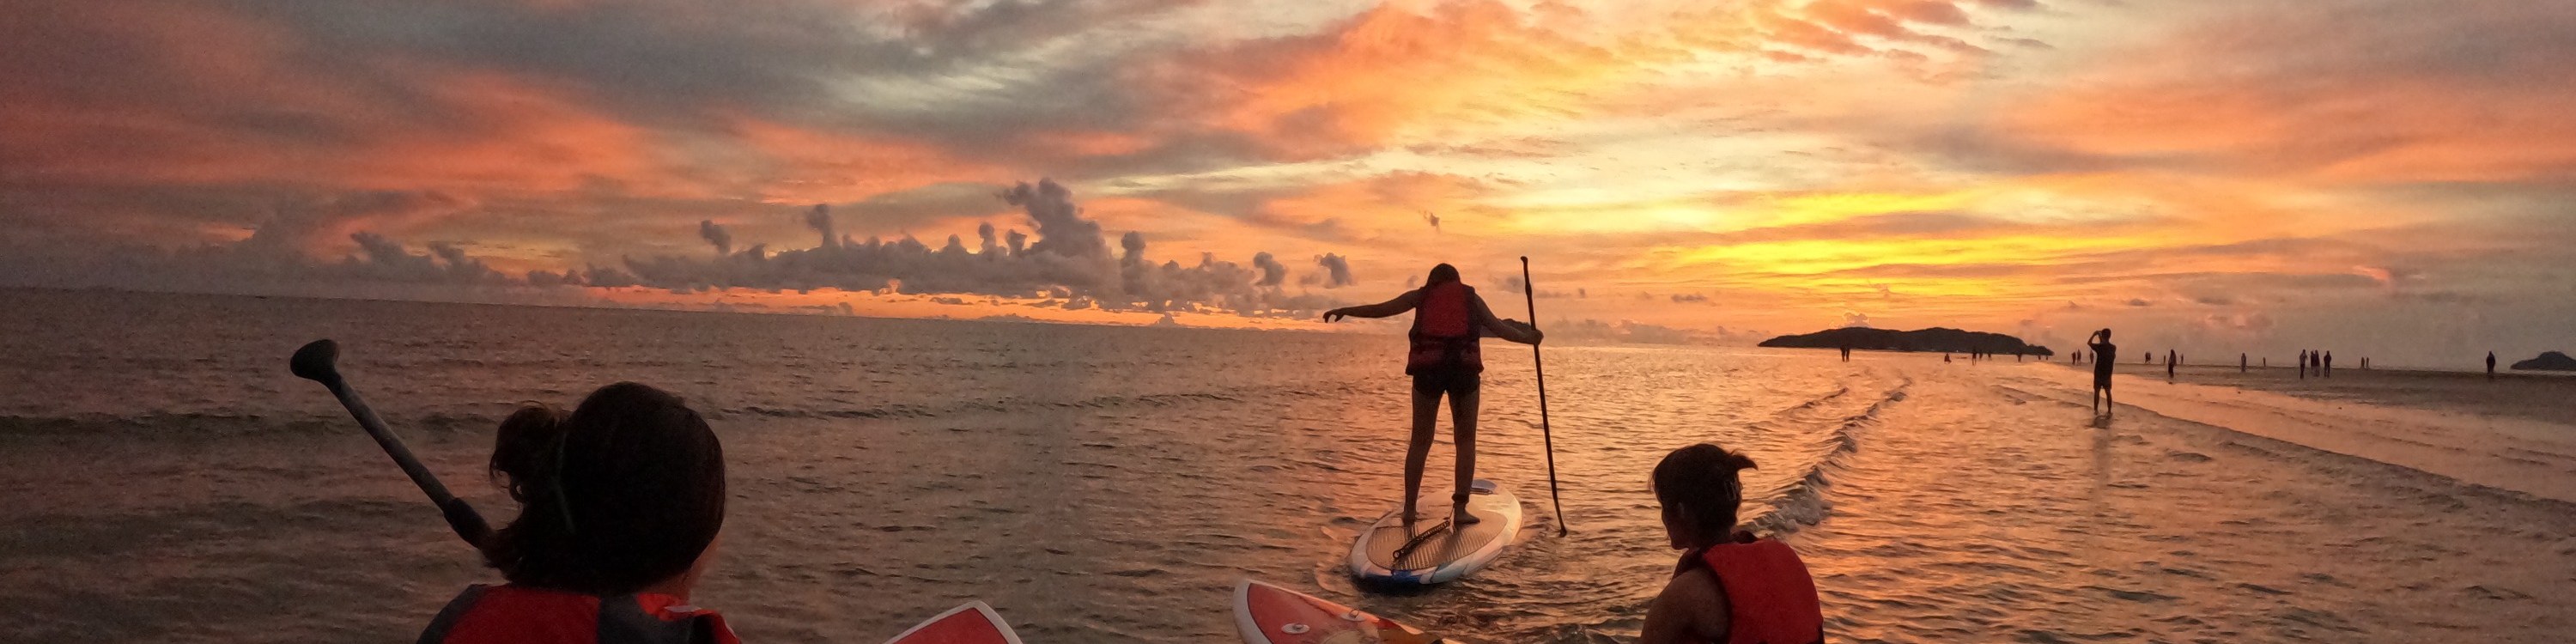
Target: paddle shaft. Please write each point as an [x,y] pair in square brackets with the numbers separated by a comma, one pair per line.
[461,516]
[1530,293]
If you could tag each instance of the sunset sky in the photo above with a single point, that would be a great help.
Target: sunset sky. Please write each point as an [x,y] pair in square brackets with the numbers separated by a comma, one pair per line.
[2392,179]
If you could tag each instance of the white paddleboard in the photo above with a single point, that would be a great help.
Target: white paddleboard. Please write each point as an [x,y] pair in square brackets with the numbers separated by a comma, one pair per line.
[973,623]
[1268,614]
[1436,549]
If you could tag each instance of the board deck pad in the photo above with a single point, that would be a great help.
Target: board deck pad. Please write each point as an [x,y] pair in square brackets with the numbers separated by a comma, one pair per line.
[1267,614]
[1436,550]
[973,623]
[1435,541]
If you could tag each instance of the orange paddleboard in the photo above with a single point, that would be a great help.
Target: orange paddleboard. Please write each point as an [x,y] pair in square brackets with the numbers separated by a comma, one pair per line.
[1268,614]
[973,623]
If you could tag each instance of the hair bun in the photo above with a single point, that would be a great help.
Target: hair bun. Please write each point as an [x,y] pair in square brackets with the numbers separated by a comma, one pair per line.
[525,450]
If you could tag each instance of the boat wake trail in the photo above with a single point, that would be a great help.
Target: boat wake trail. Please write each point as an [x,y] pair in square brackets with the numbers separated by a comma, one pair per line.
[1843,417]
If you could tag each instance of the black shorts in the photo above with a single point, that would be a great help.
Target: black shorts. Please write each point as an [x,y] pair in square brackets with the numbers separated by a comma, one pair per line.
[1455,383]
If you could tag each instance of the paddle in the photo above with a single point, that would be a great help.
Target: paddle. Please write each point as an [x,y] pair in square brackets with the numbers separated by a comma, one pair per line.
[1530,293]
[316,362]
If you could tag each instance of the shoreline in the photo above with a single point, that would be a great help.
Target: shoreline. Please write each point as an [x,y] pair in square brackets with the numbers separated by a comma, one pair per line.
[2544,397]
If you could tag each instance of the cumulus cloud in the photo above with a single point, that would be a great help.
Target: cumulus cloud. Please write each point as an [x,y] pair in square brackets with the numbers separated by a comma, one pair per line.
[1337,270]
[715,234]
[1855,320]
[1069,261]
[1272,272]
[820,220]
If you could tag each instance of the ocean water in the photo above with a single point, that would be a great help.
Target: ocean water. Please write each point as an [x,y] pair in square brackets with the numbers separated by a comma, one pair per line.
[162,478]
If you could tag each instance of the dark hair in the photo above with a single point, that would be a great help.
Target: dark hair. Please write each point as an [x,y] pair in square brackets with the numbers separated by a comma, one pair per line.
[1701,479]
[624,492]
[1441,273]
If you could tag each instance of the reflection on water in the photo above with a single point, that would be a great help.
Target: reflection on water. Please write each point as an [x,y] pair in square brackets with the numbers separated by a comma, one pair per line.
[1110,484]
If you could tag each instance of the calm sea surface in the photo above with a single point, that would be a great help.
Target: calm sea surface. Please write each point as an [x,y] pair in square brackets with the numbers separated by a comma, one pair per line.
[163,478]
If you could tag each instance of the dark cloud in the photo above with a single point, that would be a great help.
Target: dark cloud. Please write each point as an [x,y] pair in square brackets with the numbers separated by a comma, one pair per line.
[1337,270]
[1273,273]
[1068,261]
[715,234]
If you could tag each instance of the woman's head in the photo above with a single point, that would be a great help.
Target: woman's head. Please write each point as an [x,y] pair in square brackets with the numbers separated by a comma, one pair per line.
[625,492]
[1440,274]
[1698,487]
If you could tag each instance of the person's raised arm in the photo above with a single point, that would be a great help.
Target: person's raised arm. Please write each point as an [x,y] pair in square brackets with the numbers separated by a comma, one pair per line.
[1502,328]
[1400,304]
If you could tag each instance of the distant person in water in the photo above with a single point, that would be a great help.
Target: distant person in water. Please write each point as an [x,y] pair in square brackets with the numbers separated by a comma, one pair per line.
[1448,320]
[2100,342]
[2326,368]
[2170,361]
[1846,353]
[1730,585]
[2491,365]
[620,505]
[2242,362]
[2303,364]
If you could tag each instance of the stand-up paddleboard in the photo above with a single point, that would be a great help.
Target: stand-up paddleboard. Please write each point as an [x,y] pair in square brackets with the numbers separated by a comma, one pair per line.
[1437,549]
[973,623]
[1268,614]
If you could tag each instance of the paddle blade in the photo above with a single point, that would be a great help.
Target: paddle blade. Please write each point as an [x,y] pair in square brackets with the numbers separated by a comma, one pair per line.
[317,361]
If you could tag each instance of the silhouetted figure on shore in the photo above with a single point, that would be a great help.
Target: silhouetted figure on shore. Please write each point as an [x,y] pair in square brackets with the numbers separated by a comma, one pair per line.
[2326,368]
[1846,353]
[2100,342]
[2491,365]
[2169,365]
[2241,362]
[2303,364]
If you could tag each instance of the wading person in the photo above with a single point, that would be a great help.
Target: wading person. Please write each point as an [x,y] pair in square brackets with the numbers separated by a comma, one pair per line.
[2100,342]
[1448,320]
[620,503]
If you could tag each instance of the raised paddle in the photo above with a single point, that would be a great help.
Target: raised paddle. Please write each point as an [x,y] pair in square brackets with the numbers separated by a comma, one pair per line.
[1530,293]
[317,362]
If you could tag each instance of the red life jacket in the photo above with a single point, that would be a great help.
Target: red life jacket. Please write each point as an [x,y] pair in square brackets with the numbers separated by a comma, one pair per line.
[1769,596]
[1444,331]
[498,614]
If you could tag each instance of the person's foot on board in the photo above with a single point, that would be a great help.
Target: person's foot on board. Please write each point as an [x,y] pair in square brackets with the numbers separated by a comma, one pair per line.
[1458,513]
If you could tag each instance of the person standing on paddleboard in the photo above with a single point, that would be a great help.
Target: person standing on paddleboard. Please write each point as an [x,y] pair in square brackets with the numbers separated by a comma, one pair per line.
[1448,320]
[620,504]
[1730,586]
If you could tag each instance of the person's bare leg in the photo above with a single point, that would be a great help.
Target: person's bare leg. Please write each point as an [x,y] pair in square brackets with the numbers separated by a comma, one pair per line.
[1426,419]
[1462,414]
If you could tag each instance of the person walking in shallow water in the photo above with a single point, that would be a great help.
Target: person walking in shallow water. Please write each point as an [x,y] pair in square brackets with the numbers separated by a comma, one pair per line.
[2100,343]
[1448,319]
[2169,365]
[2325,366]
[2491,365]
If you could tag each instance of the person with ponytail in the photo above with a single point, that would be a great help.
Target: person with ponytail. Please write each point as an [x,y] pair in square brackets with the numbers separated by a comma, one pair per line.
[620,505]
[1448,320]
[1730,586]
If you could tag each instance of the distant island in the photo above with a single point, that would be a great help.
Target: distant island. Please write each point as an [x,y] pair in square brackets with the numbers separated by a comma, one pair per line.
[1933,339]
[2548,361]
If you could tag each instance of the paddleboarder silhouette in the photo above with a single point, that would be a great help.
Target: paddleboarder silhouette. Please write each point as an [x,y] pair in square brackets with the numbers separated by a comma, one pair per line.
[1448,320]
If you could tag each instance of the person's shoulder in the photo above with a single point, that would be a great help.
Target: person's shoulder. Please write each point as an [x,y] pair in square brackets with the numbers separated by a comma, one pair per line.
[1698,594]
